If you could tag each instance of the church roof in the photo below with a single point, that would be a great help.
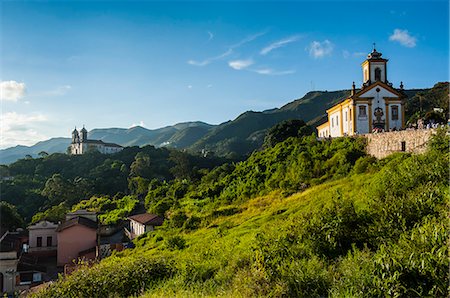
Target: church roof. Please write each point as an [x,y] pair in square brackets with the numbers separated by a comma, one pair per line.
[375,55]
[100,142]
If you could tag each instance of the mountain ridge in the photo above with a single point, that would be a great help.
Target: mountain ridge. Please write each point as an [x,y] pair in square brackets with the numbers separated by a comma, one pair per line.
[237,137]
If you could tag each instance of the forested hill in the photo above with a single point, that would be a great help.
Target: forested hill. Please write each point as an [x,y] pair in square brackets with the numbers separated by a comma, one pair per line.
[238,137]
[301,218]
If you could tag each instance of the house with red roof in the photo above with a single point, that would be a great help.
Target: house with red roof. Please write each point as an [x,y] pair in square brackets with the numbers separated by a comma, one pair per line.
[77,237]
[142,223]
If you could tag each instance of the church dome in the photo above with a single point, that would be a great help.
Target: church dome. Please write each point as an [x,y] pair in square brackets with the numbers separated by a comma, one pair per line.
[374,55]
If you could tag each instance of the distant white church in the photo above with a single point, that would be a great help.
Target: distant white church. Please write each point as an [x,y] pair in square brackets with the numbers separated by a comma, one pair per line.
[81,144]
[376,107]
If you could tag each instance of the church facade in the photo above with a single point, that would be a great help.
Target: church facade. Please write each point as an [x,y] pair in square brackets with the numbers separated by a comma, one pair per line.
[377,106]
[80,144]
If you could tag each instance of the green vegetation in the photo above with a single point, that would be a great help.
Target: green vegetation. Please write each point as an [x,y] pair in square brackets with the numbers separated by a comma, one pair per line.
[38,185]
[304,218]
[422,104]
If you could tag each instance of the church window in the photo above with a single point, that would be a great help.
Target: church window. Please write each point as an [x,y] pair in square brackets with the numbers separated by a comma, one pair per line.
[394,112]
[362,111]
[332,122]
[377,74]
[345,115]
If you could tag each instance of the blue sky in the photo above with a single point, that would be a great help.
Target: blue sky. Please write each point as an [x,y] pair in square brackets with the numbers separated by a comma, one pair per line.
[119,64]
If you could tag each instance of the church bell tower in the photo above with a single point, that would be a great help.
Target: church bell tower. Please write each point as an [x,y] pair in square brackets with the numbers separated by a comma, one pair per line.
[374,68]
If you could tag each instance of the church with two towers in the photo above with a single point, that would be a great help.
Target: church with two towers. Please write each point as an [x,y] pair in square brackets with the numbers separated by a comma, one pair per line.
[376,107]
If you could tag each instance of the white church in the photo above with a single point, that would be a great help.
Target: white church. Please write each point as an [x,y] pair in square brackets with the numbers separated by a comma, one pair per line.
[377,106]
[81,144]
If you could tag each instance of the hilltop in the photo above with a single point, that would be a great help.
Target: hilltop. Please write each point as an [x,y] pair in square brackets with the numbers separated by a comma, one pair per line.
[235,138]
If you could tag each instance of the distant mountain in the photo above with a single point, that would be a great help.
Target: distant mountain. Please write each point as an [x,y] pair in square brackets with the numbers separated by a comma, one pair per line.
[238,137]
[179,135]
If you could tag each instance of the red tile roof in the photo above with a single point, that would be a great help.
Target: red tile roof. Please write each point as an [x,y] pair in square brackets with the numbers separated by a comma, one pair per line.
[147,219]
[77,221]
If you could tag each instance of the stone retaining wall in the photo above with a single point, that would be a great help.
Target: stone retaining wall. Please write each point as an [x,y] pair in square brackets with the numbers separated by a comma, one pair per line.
[381,145]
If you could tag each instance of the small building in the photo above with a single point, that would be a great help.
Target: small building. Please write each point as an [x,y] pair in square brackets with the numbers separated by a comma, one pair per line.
[43,238]
[377,106]
[77,237]
[80,144]
[142,223]
[11,249]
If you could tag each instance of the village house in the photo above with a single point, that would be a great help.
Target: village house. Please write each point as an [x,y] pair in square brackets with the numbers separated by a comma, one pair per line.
[77,237]
[377,106]
[142,223]
[43,238]
[16,273]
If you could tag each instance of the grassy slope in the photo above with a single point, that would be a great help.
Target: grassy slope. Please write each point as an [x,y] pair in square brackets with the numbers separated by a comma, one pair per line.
[394,214]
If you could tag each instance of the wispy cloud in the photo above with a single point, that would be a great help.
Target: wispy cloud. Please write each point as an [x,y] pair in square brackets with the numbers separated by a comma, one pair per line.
[345,54]
[189,86]
[319,49]
[359,54]
[211,59]
[240,64]
[11,90]
[226,53]
[58,91]
[272,72]
[248,39]
[211,36]
[404,38]
[278,44]
[21,129]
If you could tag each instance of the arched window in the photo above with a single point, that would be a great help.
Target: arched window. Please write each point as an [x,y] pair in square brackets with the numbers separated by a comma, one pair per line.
[377,74]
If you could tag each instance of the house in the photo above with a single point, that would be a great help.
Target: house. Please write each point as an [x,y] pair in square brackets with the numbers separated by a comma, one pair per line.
[43,238]
[377,106]
[142,223]
[80,144]
[77,237]
[15,273]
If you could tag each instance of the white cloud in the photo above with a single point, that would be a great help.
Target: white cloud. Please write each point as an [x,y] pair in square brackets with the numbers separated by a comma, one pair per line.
[141,124]
[345,54]
[21,129]
[359,54]
[404,38]
[209,60]
[248,39]
[11,90]
[211,36]
[240,64]
[226,53]
[59,91]
[319,49]
[278,44]
[271,72]
[189,86]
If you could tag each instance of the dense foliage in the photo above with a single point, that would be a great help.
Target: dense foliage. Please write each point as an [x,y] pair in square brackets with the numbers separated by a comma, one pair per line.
[304,218]
[40,184]
[423,103]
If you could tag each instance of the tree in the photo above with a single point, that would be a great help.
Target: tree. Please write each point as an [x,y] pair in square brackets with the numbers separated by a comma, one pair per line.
[43,154]
[141,166]
[10,218]
[285,130]
[182,168]
[57,190]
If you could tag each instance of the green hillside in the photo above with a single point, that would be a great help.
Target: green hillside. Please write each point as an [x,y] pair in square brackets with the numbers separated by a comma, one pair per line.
[304,218]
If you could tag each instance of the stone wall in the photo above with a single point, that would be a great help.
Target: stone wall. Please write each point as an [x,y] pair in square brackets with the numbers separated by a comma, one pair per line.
[381,145]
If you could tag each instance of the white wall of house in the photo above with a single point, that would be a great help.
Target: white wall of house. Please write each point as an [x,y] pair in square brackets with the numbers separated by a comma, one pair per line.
[46,231]
[335,122]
